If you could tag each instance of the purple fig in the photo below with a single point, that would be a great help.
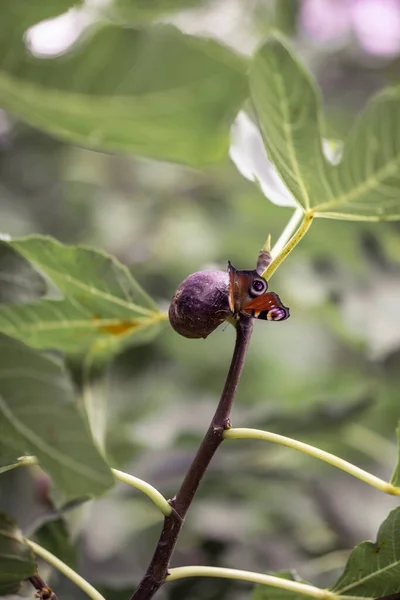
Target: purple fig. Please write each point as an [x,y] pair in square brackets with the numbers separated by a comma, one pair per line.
[200,304]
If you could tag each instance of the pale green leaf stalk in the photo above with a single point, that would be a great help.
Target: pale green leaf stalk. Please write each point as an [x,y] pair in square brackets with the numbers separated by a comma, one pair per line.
[396,475]
[258,434]
[290,245]
[284,584]
[151,492]
[58,564]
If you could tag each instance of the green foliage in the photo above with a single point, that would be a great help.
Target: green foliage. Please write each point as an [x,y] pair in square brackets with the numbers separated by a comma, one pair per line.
[134,11]
[17,561]
[19,282]
[265,592]
[121,89]
[286,101]
[18,15]
[365,185]
[54,536]
[396,474]
[100,307]
[373,567]
[39,417]
[159,93]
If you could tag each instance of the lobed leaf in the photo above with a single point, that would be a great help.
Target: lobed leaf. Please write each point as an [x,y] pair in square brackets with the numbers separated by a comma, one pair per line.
[367,180]
[19,282]
[120,89]
[373,568]
[287,105]
[100,307]
[365,185]
[17,561]
[38,416]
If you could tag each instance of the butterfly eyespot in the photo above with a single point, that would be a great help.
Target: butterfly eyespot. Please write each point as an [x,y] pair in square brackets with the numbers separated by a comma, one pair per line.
[278,314]
[258,287]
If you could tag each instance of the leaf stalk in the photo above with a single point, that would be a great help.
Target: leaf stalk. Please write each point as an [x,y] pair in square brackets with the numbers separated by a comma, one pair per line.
[65,570]
[159,500]
[291,244]
[332,459]
[150,491]
[278,582]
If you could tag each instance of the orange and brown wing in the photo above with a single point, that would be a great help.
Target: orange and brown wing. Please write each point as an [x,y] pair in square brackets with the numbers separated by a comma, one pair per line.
[268,307]
[239,284]
[231,273]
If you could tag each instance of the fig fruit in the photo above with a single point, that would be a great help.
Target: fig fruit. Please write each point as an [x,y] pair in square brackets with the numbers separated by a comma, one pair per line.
[200,304]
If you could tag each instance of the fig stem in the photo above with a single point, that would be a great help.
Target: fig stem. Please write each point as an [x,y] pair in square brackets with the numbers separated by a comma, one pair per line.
[157,571]
[43,591]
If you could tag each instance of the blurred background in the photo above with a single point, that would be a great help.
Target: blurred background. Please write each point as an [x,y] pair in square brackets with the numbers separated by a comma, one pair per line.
[328,376]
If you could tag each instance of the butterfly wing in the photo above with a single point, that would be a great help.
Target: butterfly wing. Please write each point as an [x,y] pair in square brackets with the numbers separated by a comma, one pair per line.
[239,284]
[268,306]
[231,273]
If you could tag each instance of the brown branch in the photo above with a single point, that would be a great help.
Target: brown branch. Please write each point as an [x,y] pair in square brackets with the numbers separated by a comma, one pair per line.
[158,568]
[44,592]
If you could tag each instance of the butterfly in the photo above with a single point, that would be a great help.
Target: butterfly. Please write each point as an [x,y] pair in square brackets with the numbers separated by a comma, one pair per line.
[248,295]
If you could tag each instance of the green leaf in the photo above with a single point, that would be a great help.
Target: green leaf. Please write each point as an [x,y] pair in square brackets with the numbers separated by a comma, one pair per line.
[18,15]
[19,282]
[286,16]
[267,592]
[100,306]
[54,536]
[396,474]
[38,416]
[287,105]
[373,568]
[155,92]
[366,183]
[134,11]
[17,561]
